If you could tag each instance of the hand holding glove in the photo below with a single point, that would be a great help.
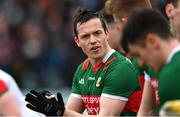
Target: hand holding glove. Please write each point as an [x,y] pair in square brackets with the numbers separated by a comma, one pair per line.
[45,102]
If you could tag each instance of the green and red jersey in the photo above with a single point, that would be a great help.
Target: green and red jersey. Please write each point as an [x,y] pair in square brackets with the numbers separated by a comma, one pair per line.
[114,78]
[152,77]
[146,73]
[140,71]
[166,83]
[169,79]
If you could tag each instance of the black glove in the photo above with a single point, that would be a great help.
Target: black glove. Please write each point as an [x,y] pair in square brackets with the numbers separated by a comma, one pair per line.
[45,102]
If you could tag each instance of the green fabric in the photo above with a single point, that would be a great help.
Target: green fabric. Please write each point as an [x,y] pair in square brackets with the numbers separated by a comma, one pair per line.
[139,69]
[119,79]
[169,81]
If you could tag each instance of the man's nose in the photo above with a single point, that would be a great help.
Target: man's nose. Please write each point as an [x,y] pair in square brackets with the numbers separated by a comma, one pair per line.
[92,39]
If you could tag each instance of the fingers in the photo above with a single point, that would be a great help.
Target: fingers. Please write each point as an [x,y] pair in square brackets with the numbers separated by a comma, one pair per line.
[60,99]
[32,107]
[37,94]
[32,99]
[46,93]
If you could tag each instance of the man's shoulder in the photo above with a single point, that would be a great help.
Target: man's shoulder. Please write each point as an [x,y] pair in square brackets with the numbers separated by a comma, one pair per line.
[175,62]
[120,59]
[83,65]
[123,63]
[173,66]
[5,77]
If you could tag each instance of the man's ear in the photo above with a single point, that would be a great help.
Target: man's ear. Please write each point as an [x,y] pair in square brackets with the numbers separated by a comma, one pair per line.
[152,40]
[107,33]
[77,41]
[169,9]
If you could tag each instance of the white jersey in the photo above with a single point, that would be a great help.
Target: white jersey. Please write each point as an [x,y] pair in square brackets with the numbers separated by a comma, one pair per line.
[14,89]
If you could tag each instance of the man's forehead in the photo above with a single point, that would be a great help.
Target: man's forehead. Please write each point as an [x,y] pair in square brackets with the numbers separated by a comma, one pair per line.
[88,27]
[94,21]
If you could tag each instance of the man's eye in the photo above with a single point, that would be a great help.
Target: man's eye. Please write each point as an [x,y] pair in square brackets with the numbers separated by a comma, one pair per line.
[84,36]
[97,33]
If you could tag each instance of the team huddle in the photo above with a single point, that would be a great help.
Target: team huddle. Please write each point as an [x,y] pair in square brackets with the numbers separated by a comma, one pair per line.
[132,66]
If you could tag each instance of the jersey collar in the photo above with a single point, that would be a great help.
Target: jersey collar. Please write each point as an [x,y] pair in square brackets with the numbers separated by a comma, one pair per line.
[173,52]
[106,57]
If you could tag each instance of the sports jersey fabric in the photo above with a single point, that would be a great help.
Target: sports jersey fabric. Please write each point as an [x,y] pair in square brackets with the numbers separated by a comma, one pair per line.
[153,78]
[140,71]
[169,79]
[114,78]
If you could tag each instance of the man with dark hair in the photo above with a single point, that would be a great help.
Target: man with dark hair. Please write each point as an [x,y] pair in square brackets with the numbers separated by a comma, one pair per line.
[147,31]
[120,10]
[104,80]
[171,9]
[114,35]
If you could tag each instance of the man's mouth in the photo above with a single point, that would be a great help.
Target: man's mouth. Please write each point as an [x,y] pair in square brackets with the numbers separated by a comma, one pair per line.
[95,49]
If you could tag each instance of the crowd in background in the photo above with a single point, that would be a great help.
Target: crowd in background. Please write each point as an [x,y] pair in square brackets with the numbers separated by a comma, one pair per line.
[36,41]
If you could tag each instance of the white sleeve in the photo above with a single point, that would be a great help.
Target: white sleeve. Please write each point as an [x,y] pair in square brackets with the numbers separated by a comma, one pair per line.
[146,76]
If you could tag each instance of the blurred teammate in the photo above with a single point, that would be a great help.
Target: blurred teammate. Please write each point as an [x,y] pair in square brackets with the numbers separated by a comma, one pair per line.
[8,103]
[147,31]
[117,8]
[120,10]
[11,98]
[171,8]
[105,83]
[114,35]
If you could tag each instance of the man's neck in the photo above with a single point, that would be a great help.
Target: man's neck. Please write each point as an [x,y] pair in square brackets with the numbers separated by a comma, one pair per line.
[168,49]
[96,62]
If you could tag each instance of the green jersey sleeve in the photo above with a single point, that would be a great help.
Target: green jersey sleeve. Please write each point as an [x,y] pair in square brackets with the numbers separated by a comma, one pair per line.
[169,79]
[75,85]
[121,80]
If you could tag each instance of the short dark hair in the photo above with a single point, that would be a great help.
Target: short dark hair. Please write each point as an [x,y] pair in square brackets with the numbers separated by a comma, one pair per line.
[174,2]
[83,15]
[161,5]
[142,22]
[108,17]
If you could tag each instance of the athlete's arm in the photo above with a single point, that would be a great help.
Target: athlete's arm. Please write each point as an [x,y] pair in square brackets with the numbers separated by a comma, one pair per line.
[75,104]
[8,105]
[111,107]
[147,107]
[108,107]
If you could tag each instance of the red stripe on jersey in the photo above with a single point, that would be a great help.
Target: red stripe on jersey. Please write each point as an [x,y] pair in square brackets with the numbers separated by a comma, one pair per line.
[3,87]
[108,63]
[85,65]
[96,68]
[141,81]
